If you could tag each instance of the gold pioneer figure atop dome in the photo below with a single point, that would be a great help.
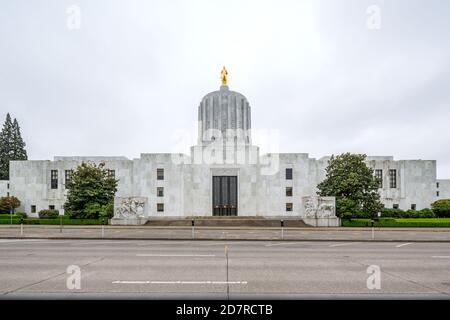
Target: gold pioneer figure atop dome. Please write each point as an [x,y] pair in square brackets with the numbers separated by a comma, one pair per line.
[224,76]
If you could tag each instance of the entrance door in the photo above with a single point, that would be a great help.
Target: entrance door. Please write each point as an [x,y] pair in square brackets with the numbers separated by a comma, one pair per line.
[225,196]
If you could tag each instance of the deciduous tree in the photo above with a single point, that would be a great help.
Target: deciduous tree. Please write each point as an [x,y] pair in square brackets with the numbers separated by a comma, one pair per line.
[90,185]
[352,182]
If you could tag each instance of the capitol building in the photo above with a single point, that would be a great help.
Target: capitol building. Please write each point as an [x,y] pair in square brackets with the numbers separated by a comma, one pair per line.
[224,175]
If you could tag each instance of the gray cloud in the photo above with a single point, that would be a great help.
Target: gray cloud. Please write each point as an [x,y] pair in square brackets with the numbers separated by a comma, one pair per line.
[136,70]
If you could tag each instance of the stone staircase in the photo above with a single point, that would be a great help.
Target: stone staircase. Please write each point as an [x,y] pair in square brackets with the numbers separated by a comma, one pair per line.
[227,222]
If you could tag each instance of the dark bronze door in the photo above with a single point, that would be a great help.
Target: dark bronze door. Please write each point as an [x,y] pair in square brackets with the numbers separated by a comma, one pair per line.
[225,196]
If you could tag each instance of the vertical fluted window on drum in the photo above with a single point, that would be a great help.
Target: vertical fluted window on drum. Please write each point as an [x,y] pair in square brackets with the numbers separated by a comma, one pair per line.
[207,115]
[216,112]
[233,113]
[248,116]
[224,111]
[243,114]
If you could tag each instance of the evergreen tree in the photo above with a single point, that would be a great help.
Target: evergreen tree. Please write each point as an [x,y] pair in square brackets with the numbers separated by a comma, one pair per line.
[12,146]
[18,145]
[5,147]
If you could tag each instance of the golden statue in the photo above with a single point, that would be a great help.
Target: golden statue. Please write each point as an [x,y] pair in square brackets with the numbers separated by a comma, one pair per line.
[224,76]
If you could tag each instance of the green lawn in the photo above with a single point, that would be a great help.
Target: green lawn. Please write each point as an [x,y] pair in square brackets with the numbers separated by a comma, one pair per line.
[399,223]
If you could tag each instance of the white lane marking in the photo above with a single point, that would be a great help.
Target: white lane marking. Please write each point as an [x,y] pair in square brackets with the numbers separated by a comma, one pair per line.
[164,243]
[180,282]
[100,242]
[18,240]
[441,257]
[174,255]
[222,243]
[280,244]
[32,241]
[404,244]
[342,244]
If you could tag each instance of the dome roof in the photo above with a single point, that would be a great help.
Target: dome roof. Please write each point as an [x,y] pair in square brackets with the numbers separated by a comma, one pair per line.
[224,111]
[224,91]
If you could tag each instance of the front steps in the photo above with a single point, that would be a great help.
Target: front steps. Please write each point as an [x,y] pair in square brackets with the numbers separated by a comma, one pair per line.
[227,222]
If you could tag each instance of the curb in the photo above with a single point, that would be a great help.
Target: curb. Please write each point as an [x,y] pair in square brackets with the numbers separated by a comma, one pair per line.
[318,229]
[228,240]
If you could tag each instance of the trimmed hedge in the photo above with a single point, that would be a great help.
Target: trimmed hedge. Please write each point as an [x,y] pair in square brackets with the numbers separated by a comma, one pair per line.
[392,213]
[5,216]
[65,221]
[398,213]
[398,223]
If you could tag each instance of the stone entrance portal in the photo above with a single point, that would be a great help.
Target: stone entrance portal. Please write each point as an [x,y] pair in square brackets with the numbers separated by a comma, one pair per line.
[225,196]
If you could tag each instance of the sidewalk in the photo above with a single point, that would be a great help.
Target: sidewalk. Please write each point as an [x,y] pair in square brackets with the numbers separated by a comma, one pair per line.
[230,233]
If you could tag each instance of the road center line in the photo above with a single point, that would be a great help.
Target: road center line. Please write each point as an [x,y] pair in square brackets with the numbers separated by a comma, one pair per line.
[180,282]
[342,244]
[441,257]
[404,244]
[174,255]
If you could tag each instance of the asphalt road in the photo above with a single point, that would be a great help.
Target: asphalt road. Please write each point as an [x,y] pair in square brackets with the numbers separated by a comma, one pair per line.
[197,269]
[335,234]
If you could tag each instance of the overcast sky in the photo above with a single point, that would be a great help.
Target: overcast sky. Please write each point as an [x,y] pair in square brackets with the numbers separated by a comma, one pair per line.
[130,79]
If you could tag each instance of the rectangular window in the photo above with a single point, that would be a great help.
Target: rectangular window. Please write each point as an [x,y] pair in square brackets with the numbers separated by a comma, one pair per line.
[160,174]
[54,179]
[160,207]
[395,206]
[7,194]
[112,174]
[289,174]
[393,178]
[7,186]
[288,191]
[33,209]
[51,207]
[160,191]
[437,194]
[413,207]
[437,185]
[289,207]
[68,174]
[379,176]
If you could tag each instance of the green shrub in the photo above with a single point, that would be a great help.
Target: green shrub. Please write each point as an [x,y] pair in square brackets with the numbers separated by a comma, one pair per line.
[441,208]
[426,213]
[356,215]
[347,216]
[48,214]
[22,215]
[410,214]
[93,211]
[107,211]
[346,206]
[391,213]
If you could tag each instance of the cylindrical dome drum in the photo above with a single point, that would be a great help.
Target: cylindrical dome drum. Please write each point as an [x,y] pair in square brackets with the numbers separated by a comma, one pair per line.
[226,115]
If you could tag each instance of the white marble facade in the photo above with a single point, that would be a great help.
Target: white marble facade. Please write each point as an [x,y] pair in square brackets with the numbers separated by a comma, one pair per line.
[269,185]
